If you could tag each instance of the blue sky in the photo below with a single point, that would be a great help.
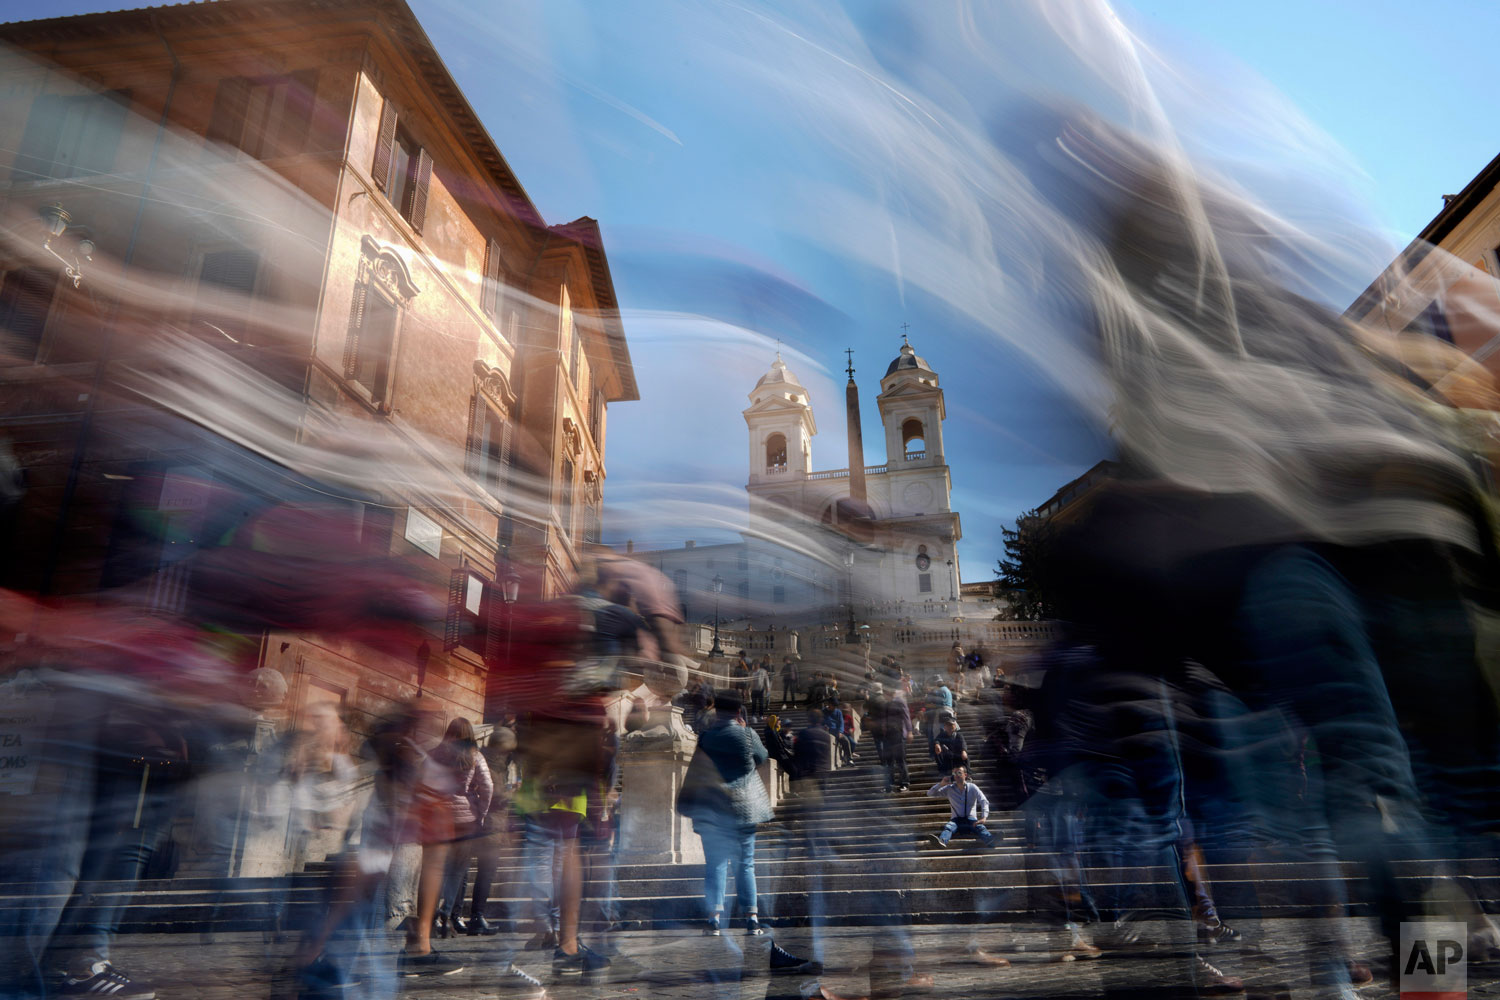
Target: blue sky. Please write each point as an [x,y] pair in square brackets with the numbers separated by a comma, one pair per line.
[823,173]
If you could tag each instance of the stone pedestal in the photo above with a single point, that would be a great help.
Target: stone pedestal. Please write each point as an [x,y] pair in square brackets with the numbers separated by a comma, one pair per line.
[653,762]
[770,773]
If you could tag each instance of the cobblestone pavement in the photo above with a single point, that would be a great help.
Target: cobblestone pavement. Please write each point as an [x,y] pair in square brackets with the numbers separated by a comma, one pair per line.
[1273,962]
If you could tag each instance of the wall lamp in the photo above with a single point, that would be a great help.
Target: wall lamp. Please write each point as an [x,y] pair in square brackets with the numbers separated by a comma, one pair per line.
[58,221]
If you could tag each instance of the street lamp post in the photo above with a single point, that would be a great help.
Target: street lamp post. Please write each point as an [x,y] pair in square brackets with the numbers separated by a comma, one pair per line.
[952,589]
[510,589]
[853,635]
[718,589]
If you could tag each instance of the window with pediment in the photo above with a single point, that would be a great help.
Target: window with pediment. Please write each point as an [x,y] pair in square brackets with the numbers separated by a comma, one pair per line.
[382,292]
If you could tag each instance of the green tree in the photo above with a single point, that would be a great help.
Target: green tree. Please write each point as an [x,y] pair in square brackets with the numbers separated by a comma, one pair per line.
[1025,569]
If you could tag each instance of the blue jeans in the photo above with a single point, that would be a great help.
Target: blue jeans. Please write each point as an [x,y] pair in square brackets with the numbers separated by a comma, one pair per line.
[456,871]
[721,843]
[539,850]
[967,826]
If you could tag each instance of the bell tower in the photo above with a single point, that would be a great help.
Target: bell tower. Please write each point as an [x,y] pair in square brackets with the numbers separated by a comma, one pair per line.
[912,412]
[924,558]
[781,426]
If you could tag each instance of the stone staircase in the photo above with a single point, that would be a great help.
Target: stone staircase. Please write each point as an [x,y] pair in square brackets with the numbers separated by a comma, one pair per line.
[853,857]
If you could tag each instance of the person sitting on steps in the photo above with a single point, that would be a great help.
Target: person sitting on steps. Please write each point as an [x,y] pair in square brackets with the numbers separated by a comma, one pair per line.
[970,808]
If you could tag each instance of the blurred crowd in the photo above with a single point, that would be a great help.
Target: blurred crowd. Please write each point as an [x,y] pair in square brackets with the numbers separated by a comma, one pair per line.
[1276,646]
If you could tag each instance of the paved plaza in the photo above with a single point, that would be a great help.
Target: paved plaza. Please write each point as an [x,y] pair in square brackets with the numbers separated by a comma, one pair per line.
[1273,962]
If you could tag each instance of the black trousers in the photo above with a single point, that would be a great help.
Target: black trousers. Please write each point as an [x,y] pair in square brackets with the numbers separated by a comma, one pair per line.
[895,767]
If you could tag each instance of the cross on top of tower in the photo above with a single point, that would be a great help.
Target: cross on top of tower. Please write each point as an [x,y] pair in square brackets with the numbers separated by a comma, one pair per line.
[850,352]
[904,327]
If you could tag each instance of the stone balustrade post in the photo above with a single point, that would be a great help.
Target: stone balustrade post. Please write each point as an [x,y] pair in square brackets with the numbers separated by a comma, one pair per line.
[653,762]
[770,774]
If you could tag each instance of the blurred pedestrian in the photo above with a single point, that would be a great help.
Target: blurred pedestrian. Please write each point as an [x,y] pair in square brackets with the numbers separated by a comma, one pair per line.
[473,790]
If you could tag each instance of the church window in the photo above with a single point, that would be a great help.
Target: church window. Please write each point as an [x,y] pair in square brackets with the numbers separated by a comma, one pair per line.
[913,441]
[924,583]
[744,590]
[778,595]
[744,560]
[776,451]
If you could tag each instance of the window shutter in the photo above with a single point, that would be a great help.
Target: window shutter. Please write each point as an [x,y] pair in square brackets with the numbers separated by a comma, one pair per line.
[385,144]
[490,294]
[494,624]
[232,269]
[453,628]
[25,301]
[356,324]
[230,103]
[415,209]
[502,481]
[471,453]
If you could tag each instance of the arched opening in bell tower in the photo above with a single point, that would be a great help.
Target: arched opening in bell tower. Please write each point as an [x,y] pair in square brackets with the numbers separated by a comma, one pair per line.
[776,451]
[913,439]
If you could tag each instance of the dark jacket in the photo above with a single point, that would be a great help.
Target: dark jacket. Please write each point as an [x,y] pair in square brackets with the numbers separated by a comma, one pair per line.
[949,751]
[736,752]
[812,752]
[897,719]
[777,746]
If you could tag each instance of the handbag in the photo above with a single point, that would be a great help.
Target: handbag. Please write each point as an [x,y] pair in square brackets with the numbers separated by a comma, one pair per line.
[703,793]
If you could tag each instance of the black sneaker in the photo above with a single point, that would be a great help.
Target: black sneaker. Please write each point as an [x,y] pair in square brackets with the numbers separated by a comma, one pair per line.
[431,964]
[517,978]
[585,961]
[784,963]
[753,927]
[104,980]
[711,929]
[1218,932]
[541,940]
[322,977]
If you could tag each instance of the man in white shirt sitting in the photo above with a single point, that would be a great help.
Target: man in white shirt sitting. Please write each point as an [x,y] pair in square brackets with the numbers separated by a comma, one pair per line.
[970,808]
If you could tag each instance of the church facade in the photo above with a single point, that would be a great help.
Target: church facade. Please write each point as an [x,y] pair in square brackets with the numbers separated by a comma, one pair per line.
[885,534]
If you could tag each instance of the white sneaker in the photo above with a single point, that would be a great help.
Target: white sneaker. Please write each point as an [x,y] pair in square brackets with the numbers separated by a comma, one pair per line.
[518,978]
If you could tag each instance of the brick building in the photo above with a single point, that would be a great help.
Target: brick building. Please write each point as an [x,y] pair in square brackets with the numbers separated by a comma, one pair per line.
[1438,300]
[301,196]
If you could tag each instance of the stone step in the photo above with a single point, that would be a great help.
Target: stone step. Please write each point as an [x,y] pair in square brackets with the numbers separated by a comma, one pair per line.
[853,898]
